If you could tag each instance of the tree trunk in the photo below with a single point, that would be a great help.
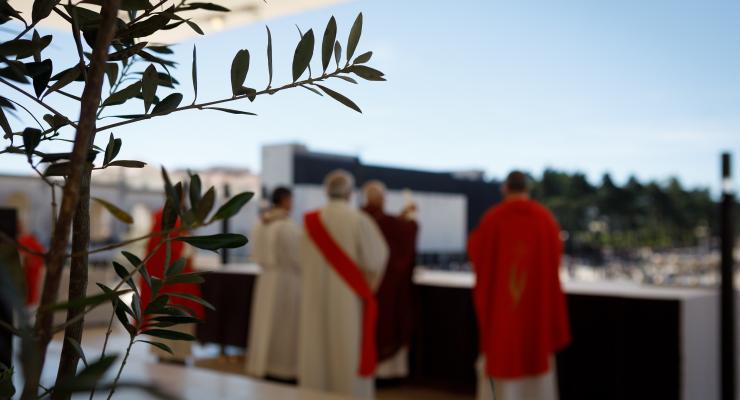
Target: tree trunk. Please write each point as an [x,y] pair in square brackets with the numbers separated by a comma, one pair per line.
[77,283]
[70,197]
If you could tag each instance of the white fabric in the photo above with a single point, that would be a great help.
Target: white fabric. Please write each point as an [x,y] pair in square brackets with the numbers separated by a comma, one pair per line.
[273,341]
[540,387]
[394,367]
[330,329]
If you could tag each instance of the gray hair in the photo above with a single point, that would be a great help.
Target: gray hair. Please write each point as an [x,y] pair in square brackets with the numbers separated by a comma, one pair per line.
[339,184]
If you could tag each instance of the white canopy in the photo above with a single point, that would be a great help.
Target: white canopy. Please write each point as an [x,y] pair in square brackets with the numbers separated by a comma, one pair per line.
[242,12]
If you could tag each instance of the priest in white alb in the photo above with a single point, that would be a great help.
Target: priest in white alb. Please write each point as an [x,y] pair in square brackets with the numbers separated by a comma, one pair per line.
[343,256]
[273,337]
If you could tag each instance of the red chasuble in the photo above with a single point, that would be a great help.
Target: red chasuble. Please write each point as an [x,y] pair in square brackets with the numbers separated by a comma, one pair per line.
[155,266]
[522,315]
[33,266]
[394,296]
[352,275]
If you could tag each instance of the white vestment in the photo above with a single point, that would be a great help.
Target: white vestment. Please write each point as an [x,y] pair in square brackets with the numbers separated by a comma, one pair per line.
[540,387]
[273,337]
[330,329]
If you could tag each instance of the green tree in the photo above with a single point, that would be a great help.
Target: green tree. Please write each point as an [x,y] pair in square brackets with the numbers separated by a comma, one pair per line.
[117,65]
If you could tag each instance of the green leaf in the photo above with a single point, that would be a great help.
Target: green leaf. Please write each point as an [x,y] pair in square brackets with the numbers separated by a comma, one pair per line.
[112,149]
[195,190]
[175,268]
[56,121]
[312,90]
[149,86]
[120,215]
[327,45]
[178,319]
[159,345]
[340,98]
[354,37]
[363,58]
[42,9]
[239,69]
[190,277]
[133,5]
[85,301]
[168,104]
[111,71]
[205,205]
[165,334]
[89,377]
[194,27]
[207,6]
[136,306]
[337,52]
[124,94]
[196,299]
[58,169]
[215,242]
[31,139]
[303,54]
[123,273]
[269,56]
[128,52]
[41,76]
[121,311]
[157,304]
[194,72]
[233,206]
[136,262]
[230,110]
[5,125]
[127,164]
[147,27]
[367,73]
[7,390]
[76,346]
[161,49]
[169,189]
[64,79]
[346,78]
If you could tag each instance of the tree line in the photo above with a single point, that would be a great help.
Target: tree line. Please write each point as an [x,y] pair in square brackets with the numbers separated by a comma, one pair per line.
[655,214]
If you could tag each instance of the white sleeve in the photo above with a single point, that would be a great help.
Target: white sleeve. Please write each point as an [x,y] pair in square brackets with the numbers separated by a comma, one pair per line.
[288,246]
[257,243]
[373,251]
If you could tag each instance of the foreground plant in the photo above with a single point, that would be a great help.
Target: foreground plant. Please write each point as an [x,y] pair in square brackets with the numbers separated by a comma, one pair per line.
[113,52]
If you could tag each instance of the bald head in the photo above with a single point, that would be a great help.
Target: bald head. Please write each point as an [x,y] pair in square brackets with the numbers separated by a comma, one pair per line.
[374,193]
[339,184]
[516,184]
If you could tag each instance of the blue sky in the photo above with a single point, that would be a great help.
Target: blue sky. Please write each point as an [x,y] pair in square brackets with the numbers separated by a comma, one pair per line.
[629,87]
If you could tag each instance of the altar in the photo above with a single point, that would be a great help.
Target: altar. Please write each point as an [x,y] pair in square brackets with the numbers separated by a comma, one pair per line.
[629,341]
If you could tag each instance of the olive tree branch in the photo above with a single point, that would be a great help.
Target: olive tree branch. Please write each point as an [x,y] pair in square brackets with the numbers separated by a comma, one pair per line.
[30,96]
[201,106]
[120,369]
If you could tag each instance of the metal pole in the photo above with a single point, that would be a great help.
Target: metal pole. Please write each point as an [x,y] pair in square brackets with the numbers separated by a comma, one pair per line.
[225,227]
[727,292]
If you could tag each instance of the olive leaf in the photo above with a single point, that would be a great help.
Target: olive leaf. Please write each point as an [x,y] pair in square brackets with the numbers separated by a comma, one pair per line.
[269,56]
[120,215]
[303,54]
[327,45]
[354,37]
[340,98]
[149,86]
[239,70]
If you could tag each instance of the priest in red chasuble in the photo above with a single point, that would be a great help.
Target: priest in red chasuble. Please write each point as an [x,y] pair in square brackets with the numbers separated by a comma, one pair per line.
[156,267]
[395,312]
[522,317]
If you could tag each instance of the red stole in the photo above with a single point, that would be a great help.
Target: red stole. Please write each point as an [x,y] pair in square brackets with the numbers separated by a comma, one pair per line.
[352,275]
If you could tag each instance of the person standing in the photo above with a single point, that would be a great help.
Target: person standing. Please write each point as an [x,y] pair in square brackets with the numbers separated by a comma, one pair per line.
[344,256]
[522,317]
[156,268]
[394,296]
[273,336]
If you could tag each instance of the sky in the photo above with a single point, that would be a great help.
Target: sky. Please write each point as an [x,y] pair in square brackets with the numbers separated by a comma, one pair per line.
[629,87]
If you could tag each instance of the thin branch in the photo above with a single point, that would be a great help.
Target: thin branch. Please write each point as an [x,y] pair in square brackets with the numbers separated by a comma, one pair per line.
[147,12]
[201,106]
[120,369]
[30,96]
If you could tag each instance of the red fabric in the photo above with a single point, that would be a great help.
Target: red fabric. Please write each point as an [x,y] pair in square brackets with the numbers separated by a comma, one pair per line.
[352,275]
[394,296]
[33,266]
[522,315]
[155,266]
